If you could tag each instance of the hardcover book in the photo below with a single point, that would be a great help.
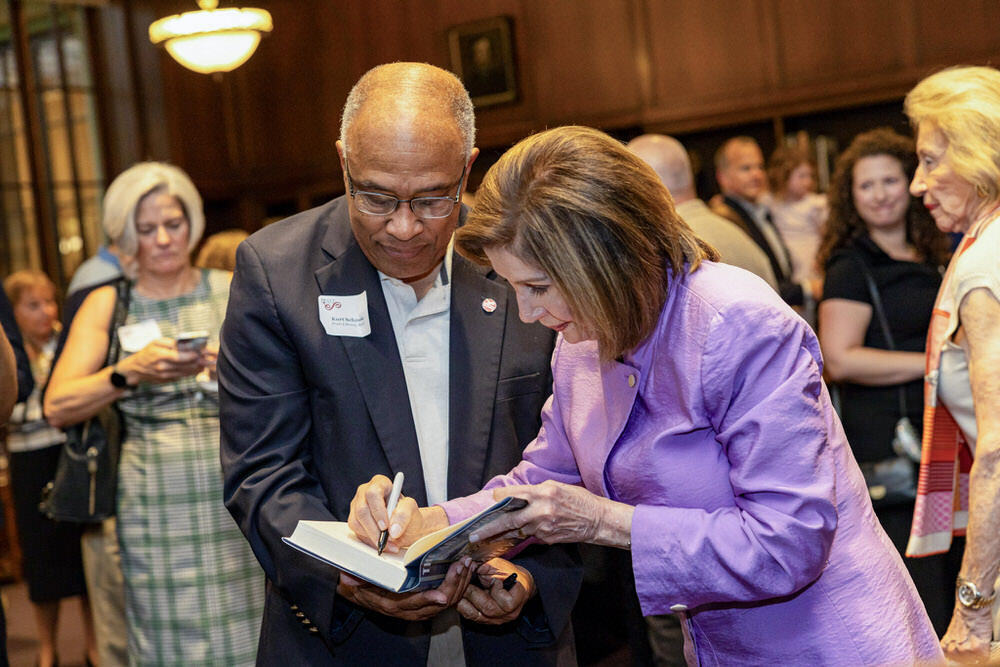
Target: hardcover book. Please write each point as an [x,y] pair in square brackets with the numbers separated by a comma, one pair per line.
[423,565]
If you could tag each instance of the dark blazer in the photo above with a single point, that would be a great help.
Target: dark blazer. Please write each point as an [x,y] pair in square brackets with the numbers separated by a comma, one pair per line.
[25,380]
[307,417]
[729,208]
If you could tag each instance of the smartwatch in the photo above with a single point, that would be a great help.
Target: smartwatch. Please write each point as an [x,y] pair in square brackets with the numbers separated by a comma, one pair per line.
[119,381]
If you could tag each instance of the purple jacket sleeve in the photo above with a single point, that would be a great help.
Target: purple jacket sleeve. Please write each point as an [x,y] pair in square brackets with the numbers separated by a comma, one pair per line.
[762,391]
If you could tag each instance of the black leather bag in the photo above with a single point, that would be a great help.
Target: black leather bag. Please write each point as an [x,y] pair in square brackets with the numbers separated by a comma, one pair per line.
[86,482]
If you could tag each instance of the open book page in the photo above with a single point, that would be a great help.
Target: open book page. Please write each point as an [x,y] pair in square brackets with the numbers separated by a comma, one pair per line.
[334,543]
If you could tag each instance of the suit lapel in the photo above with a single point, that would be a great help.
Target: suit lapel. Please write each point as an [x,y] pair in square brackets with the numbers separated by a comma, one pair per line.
[751,228]
[374,358]
[476,341]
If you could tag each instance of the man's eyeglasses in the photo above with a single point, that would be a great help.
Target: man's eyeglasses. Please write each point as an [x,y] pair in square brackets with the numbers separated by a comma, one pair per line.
[378,203]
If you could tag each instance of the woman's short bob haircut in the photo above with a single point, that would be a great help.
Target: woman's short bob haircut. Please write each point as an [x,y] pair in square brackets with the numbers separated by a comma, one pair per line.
[964,104]
[596,219]
[124,194]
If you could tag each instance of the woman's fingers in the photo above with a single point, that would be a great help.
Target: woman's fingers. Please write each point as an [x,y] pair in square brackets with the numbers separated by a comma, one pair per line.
[556,512]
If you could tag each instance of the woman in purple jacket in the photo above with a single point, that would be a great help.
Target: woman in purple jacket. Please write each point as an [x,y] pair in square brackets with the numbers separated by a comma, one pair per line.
[689,423]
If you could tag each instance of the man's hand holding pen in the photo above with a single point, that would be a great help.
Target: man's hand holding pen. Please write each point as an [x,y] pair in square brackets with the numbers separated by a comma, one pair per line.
[502,587]
[370,516]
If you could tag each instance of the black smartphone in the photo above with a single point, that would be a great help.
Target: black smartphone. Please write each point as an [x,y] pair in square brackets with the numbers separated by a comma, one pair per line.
[192,340]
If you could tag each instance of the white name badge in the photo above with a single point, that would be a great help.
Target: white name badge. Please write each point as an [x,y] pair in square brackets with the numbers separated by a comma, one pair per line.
[134,337]
[345,315]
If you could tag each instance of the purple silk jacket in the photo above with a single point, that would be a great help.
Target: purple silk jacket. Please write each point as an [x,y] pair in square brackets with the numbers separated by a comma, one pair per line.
[752,518]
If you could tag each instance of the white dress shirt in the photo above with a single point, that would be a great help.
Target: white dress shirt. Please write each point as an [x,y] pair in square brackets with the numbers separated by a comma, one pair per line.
[422,331]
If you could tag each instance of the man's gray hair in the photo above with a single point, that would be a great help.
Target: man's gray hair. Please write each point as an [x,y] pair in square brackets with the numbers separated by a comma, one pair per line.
[418,81]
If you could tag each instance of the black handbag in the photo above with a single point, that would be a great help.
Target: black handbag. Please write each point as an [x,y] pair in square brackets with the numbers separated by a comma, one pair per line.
[892,481]
[86,481]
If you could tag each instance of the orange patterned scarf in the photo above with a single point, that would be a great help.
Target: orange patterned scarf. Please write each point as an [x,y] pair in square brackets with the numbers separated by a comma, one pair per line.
[942,507]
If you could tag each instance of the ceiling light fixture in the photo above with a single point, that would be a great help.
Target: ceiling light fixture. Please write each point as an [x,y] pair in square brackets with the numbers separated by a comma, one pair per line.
[212,40]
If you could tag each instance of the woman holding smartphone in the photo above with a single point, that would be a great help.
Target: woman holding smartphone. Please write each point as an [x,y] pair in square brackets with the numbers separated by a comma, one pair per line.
[193,590]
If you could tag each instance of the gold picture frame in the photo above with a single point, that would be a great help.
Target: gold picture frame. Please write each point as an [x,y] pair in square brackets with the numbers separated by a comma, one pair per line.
[482,55]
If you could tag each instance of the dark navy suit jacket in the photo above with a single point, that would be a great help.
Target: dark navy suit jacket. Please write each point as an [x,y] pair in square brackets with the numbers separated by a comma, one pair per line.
[307,417]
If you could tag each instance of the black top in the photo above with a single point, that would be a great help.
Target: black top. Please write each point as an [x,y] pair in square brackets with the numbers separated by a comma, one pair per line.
[25,381]
[908,290]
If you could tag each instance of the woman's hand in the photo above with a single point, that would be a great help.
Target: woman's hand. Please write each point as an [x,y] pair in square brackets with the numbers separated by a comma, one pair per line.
[160,361]
[492,604]
[558,512]
[968,637]
[408,523]
[209,358]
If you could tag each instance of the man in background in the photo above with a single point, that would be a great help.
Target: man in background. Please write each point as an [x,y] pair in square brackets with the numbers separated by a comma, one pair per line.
[355,343]
[670,161]
[739,169]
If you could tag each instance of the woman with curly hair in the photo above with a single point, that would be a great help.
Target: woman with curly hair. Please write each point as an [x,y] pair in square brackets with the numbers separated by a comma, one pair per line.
[876,228]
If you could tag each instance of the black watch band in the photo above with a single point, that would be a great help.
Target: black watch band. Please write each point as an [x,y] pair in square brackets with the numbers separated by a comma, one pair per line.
[119,381]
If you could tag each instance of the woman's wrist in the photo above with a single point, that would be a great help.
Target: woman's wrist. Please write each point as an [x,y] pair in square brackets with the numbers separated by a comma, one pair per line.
[122,367]
[614,527]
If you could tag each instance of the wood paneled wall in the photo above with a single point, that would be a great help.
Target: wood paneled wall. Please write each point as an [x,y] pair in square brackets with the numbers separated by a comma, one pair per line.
[261,138]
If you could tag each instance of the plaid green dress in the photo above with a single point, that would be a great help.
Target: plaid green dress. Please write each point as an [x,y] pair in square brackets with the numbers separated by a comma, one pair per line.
[194,592]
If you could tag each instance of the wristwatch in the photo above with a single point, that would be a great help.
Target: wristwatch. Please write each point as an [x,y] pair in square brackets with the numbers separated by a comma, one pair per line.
[119,381]
[970,597]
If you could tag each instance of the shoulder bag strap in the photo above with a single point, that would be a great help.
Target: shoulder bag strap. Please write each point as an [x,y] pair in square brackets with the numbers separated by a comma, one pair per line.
[883,321]
[123,289]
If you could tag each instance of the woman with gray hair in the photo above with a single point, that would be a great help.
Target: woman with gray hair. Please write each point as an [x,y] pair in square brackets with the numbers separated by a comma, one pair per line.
[956,113]
[193,589]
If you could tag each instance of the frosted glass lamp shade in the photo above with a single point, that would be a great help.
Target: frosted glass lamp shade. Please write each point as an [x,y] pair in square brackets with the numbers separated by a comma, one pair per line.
[212,40]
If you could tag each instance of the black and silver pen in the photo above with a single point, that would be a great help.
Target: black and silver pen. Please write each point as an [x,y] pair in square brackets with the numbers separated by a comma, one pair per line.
[397,488]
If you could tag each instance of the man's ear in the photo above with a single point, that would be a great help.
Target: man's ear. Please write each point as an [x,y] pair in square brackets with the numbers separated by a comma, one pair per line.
[340,154]
[722,178]
[468,167]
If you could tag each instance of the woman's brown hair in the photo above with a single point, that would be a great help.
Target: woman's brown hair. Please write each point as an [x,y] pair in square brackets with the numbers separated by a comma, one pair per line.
[845,224]
[784,160]
[578,205]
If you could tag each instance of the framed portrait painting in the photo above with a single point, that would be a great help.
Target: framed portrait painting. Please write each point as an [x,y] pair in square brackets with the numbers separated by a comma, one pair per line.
[482,55]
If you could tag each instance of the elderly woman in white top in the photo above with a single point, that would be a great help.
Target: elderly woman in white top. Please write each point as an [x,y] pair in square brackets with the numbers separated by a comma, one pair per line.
[957,116]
